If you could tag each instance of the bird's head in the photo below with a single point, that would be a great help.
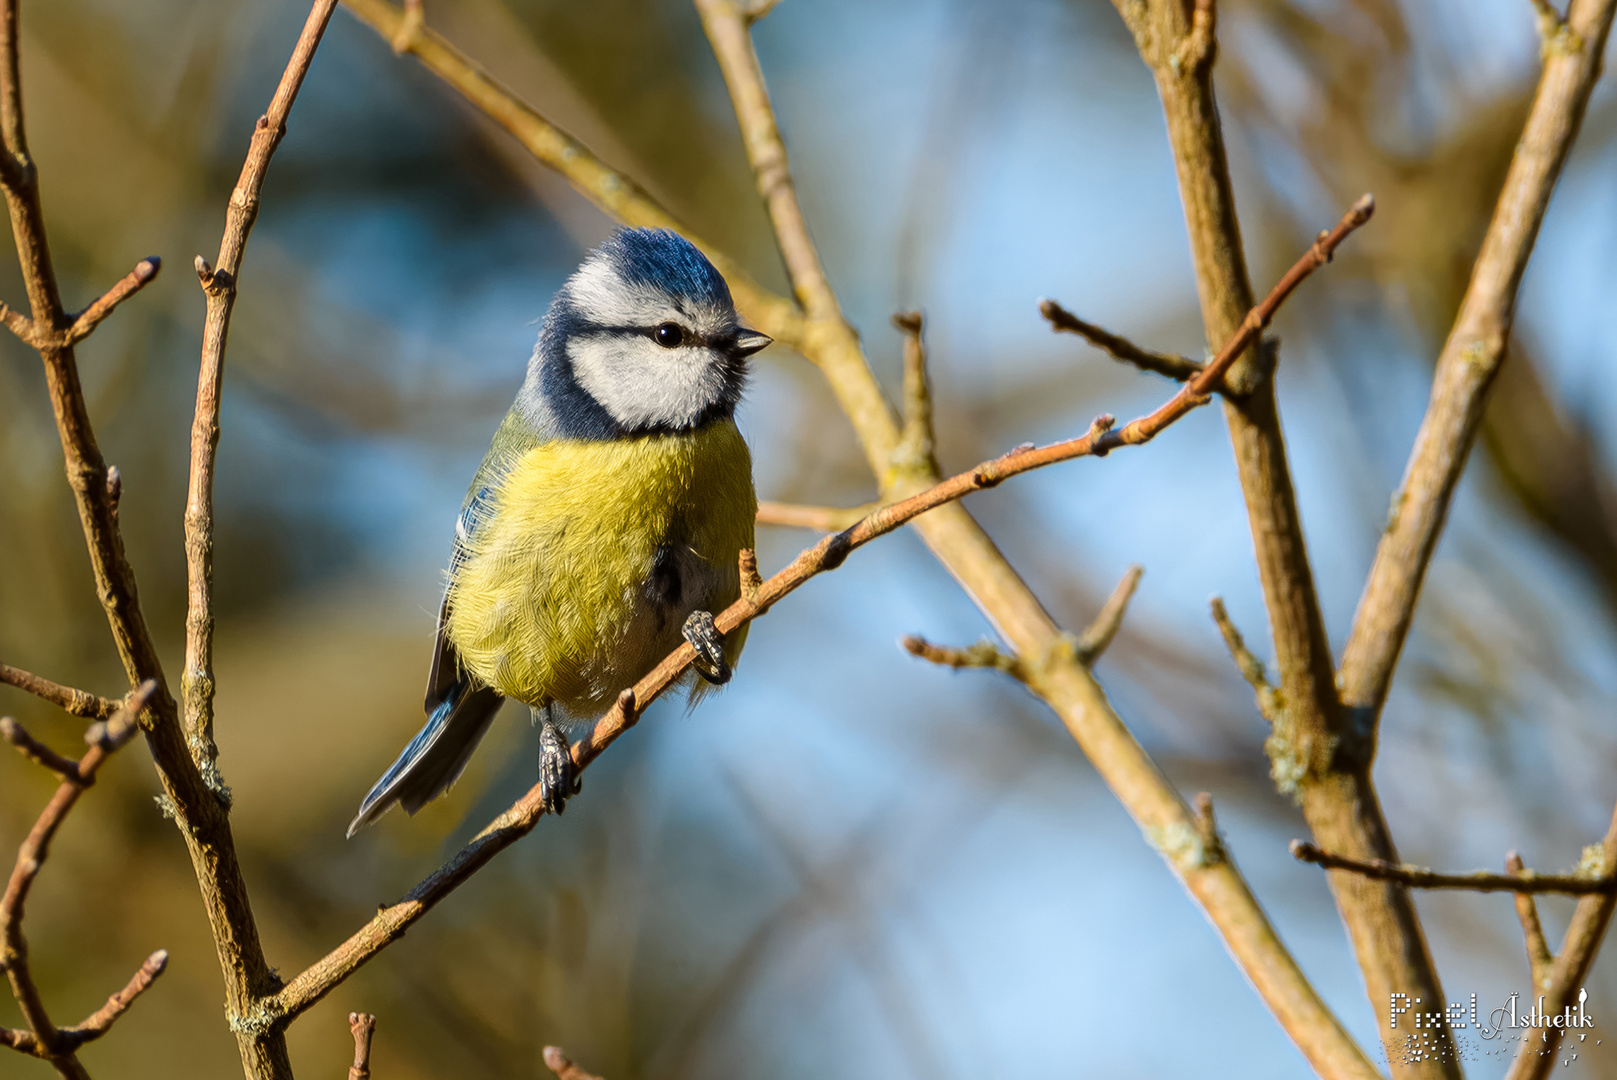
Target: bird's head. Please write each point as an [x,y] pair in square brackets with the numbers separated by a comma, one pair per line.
[642,338]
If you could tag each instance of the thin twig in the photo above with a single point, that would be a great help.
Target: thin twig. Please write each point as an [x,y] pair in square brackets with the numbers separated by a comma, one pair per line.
[48,1041]
[915,449]
[97,1023]
[363,1027]
[818,518]
[78,702]
[1577,954]
[1176,367]
[219,283]
[36,751]
[1420,877]
[1252,669]
[1539,960]
[559,1063]
[984,654]
[85,322]
[390,922]
[1098,635]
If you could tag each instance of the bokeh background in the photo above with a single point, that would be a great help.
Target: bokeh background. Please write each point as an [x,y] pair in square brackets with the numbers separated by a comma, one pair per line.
[850,863]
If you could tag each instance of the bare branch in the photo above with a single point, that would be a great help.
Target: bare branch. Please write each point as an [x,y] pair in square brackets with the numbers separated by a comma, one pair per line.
[1572,963]
[915,450]
[1319,753]
[1097,637]
[1420,877]
[1252,669]
[818,518]
[99,1022]
[558,1062]
[1539,959]
[1469,361]
[48,1041]
[85,322]
[219,284]
[36,751]
[78,702]
[1174,366]
[984,654]
[363,1027]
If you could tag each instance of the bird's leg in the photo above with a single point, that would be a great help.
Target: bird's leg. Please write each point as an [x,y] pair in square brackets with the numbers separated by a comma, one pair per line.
[709,645]
[557,780]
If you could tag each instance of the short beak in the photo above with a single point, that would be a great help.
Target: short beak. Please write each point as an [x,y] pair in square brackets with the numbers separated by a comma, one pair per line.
[748,342]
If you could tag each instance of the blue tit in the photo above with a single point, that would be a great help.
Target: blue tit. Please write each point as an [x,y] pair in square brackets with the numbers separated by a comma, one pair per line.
[604,525]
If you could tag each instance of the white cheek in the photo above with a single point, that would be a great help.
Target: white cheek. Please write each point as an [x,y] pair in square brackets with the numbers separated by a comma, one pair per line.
[641,383]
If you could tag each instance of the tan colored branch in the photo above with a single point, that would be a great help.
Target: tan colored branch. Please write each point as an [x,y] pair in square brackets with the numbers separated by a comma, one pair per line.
[984,654]
[1577,955]
[1174,366]
[219,283]
[558,1062]
[36,751]
[1539,960]
[1469,361]
[85,322]
[1523,882]
[78,702]
[99,1022]
[914,453]
[1313,1026]
[819,518]
[1317,751]
[1252,669]
[45,1040]
[1097,636]
[363,1028]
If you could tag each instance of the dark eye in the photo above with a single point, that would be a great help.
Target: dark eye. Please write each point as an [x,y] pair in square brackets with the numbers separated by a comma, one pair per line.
[668,335]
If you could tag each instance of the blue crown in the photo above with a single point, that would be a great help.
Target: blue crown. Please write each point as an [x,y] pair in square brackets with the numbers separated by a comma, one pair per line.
[667,261]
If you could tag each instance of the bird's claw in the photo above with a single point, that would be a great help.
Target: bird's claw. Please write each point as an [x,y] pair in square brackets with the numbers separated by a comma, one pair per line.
[709,645]
[557,779]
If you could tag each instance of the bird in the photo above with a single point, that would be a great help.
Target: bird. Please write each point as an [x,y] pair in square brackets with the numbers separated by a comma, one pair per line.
[604,525]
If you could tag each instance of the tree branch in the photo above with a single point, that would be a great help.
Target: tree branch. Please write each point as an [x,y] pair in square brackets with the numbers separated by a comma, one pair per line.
[46,1040]
[85,322]
[1317,753]
[363,1027]
[1468,363]
[1578,949]
[1523,883]
[915,450]
[818,518]
[99,1022]
[558,1062]
[219,283]
[36,751]
[1097,636]
[78,702]
[1252,669]
[1176,367]
[1539,960]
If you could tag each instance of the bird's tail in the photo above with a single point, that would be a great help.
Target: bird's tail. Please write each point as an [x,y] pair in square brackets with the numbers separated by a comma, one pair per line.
[437,755]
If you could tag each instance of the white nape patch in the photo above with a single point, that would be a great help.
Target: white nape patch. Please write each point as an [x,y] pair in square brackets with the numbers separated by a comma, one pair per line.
[643,384]
[602,296]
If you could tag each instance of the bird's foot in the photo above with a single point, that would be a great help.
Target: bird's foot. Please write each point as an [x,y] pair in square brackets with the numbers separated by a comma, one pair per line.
[558,781]
[709,645]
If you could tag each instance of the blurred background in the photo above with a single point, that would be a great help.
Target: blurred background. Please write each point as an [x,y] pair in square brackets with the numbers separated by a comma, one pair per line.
[850,863]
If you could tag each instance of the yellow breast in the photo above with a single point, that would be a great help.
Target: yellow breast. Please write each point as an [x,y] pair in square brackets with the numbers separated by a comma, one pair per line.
[551,602]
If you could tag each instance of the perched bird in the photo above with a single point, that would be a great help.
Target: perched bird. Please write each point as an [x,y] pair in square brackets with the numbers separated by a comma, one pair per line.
[606,521]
